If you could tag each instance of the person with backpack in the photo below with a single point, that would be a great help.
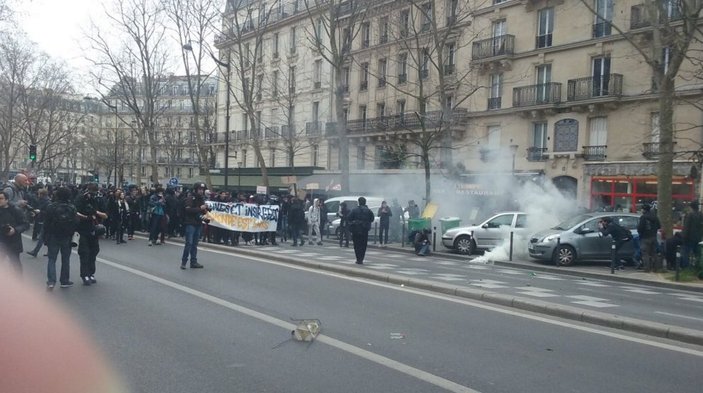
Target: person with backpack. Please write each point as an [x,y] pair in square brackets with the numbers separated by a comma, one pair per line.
[360,220]
[60,221]
[647,228]
[620,235]
[343,214]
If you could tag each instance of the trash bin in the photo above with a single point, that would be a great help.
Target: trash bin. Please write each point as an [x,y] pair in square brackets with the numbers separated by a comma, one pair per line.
[418,224]
[447,223]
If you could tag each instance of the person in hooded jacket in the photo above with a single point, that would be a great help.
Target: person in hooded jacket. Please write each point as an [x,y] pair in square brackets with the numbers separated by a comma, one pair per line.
[195,209]
[314,222]
[647,228]
[12,223]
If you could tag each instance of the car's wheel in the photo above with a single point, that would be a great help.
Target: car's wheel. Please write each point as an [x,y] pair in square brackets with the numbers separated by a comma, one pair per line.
[465,245]
[564,255]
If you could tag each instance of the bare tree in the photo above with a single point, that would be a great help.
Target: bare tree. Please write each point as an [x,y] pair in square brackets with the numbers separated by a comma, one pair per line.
[335,25]
[19,69]
[193,22]
[132,74]
[243,41]
[429,39]
[674,25]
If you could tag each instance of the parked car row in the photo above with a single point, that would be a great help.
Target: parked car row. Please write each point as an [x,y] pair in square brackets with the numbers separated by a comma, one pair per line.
[575,239]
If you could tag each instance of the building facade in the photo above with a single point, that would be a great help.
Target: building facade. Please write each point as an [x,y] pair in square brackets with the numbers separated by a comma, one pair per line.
[555,88]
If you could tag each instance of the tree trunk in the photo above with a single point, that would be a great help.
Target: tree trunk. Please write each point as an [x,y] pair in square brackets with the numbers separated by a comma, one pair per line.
[341,131]
[666,155]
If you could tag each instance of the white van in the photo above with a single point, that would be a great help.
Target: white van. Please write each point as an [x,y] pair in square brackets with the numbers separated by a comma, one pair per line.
[332,204]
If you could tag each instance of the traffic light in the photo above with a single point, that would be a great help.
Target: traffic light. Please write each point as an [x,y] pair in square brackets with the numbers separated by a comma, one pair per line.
[33,152]
[96,177]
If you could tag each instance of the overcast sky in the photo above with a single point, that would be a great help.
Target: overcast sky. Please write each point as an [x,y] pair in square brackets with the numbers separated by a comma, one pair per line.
[56,26]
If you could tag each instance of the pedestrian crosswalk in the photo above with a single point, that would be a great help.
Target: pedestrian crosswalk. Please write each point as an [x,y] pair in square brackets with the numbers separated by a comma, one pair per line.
[379,261]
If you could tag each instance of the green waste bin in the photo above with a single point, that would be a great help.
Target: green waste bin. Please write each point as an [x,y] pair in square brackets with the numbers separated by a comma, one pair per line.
[447,223]
[418,224]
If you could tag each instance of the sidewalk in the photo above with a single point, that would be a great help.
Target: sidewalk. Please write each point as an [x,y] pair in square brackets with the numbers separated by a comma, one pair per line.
[600,271]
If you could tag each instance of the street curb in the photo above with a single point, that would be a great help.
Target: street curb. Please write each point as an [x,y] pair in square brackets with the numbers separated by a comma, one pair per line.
[650,328]
[634,325]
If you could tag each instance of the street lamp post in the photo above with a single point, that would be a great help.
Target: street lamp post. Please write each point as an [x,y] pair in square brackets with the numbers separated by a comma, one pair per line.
[226,66]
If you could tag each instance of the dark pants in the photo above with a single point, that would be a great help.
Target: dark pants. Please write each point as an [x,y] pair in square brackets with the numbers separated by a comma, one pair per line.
[360,240]
[155,227]
[40,242]
[133,223]
[385,226]
[649,253]
[118,230]
[343,236]
[58,244]
[88,249]
[192,237]
[616,261]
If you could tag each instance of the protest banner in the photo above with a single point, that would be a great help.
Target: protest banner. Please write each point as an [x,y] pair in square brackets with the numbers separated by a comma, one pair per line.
[243,217]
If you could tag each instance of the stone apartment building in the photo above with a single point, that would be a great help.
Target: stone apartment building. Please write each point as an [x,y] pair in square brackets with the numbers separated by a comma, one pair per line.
[554,88]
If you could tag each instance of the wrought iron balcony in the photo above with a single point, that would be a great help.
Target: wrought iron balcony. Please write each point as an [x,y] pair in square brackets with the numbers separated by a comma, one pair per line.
[402,78]
[313,128]
[494,102]
[535,153]
[594,87]
[432,120]
[542,94]
[271,133]
[364,85]
[449,69]
[502,45]
[650,150]
[594,153]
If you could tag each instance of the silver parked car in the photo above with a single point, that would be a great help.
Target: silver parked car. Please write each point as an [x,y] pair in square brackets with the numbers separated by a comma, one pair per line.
[579,239]
[487,235]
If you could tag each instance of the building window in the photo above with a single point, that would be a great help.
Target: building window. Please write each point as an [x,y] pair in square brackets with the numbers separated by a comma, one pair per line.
[400,109]
[292,43]
[381,109]
[402,68]
[539,135]
[425,66]
[654,126]
[363,115]
[317,74]
[315,154]
[346,74]
[451,11]
[493,137]
[544,78]
[259,86]
[244,158]
[291,80]
[404,25]
[383,30]
[496,93]
[601,76]
[382,72]
[365,35]
[364,76]
[426,17]
[360,157]
[272,157]
[597,139]
[602,26]
[275,45]
[566,135]
[449,53]
[545,26]
[274,84]
[346,40]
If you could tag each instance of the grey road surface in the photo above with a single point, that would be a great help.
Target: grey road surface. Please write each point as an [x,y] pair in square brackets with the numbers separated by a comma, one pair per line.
[226,328]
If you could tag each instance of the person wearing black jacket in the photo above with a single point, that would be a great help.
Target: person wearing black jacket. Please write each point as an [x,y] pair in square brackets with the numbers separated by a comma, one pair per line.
[194,211]
[296,220]
[58,232]
[343,214]
[12,223]
[88,218]
[360,220]
[620,235]
[647,228]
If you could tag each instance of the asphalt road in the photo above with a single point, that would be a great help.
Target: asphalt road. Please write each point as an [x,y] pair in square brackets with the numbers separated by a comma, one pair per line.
[226,328]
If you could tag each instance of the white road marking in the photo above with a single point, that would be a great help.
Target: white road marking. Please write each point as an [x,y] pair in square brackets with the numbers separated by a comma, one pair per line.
[592,301]
[640,290]
[536,292]
[341,345]
[691,298]
[678,315]
[477,267]
[449,277]
[489,284]
[452,299]
[548,277]
[445,263]
[510,271]
[591,284]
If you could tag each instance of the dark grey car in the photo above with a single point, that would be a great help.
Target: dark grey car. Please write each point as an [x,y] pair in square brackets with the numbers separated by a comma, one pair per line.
[578,239]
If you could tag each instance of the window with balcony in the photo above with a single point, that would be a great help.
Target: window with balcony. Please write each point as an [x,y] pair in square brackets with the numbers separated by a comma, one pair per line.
[383,30]
[259,86]
[292,41]
[601,76]
[315,154]
[275,45]
[346,40]
[545,27]
[247,55]
[272,157]
[381,109]
[319,29]
[597,139]
[291,80]
[539,142]
[450,54]
[382,65]
[400,110]
[544,78]
[274,84]
[364,77]
[496,93]
[346,74]
[365,35]
[489,149]
[402,68]
[425,66]
[404,23]
[451,8]
[602,25]
[426,17]
[317,74]
[363,116]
